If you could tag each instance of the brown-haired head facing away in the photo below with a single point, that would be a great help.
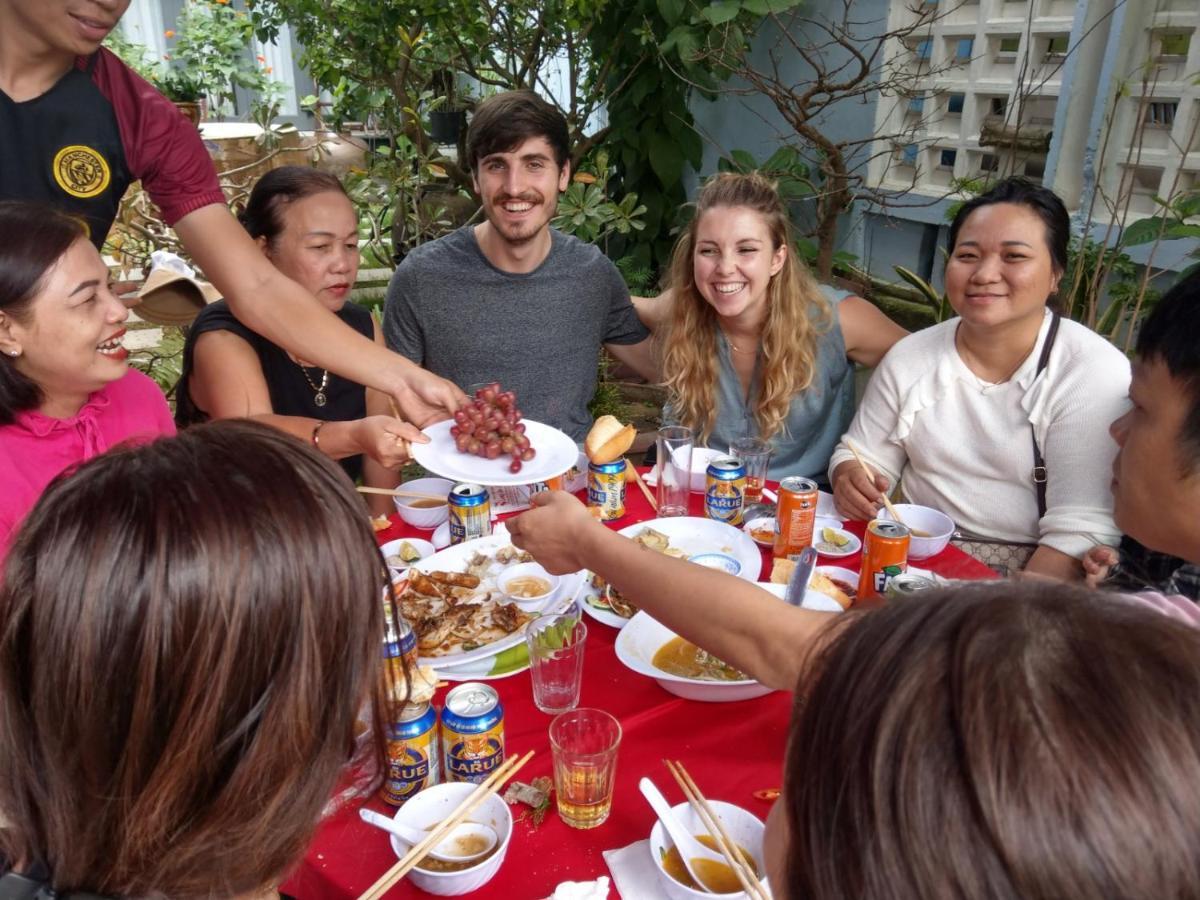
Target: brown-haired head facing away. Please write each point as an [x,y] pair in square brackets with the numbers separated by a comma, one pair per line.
[188,630]
[1006,740]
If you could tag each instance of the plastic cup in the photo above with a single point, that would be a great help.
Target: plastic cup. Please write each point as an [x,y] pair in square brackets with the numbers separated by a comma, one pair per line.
[556,645]
[674,470]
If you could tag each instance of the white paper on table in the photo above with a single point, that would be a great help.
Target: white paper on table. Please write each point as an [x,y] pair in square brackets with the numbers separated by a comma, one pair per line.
[633,872]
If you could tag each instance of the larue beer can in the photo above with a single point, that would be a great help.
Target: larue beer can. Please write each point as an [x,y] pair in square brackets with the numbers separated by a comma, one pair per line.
[606,489]
[399,651]
[795,515]
[725,490]
[470,512]
[884,556]
[413,760]
[472,732]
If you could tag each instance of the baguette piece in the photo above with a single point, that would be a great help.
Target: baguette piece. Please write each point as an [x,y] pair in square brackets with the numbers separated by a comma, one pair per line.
[608,440]
[781,572]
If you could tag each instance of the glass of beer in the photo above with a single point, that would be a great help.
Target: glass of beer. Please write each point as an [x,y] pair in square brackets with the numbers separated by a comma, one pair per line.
[756,455]
[584,745]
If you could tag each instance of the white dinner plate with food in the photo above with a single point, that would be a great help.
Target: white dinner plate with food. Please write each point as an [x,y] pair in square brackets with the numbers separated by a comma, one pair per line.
[447,639]
[832,540]
[556,453]
[645,645]
[685,537]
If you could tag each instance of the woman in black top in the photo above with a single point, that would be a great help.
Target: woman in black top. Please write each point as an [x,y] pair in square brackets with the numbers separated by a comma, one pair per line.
[305,224]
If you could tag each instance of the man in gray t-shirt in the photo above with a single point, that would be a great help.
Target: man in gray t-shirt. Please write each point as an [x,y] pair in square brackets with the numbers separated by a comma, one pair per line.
[512,300]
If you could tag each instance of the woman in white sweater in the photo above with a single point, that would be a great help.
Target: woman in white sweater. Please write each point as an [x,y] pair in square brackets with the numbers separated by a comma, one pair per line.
[954,412]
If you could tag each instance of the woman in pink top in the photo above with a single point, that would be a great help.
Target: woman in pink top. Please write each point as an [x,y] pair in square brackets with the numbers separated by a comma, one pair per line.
[66,392]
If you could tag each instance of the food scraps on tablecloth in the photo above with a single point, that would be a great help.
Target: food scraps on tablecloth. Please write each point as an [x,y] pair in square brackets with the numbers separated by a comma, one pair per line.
[490,426]
[535,795]
[381,523]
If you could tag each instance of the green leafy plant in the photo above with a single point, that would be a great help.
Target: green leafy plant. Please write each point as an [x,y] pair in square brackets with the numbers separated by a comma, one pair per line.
[211,46]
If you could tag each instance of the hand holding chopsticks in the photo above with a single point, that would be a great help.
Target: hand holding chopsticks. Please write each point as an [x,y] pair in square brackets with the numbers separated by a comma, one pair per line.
[491,785]
[737,861]
[871,477]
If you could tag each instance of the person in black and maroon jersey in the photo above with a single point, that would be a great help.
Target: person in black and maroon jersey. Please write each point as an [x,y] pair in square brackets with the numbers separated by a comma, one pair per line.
[77,126]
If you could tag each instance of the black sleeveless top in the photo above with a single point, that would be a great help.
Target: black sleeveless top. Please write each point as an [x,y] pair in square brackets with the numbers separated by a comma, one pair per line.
[291,393]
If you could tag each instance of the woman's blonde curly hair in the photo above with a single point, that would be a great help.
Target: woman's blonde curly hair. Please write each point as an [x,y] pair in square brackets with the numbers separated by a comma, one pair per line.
[797,314]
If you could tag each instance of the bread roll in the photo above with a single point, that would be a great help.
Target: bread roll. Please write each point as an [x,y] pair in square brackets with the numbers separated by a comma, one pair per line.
[608,440]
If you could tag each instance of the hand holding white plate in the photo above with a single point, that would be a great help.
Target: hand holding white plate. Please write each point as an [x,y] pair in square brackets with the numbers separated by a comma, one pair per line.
[556,453]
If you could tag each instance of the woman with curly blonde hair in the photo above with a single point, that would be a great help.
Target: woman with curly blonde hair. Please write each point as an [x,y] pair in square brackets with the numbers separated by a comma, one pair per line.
[751,345]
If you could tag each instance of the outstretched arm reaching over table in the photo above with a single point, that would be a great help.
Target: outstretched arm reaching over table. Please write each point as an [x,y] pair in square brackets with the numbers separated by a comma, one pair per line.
[744,625]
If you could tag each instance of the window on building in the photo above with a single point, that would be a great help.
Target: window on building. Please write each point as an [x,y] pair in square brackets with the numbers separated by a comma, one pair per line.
[999,106]
[989,163]
[954,106]
[946,158]
[908,154]
[924,49]
[1146,180]
[962,51]
[1174,43]
[916,104]
[1057,46]
[1161,113]
[1008,47]
[1035,169]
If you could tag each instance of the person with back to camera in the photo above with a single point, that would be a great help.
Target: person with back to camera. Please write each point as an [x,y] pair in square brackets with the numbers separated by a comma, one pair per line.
[997,417]
[306,226]
[66,391]
[78,126]
[188,632]
[751,345]
[512,299]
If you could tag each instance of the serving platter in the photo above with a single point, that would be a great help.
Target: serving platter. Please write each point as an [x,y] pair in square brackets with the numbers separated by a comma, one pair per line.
[456,558]
[556,453]
[690,534]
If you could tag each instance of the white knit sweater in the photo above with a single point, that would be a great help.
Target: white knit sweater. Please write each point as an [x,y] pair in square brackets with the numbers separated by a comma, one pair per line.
[965,447]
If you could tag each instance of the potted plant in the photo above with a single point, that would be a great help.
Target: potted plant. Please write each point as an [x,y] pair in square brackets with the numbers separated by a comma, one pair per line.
[447,120]
[185,91]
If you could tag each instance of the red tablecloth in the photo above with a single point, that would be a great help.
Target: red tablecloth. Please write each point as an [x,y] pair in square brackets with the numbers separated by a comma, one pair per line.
[731,750]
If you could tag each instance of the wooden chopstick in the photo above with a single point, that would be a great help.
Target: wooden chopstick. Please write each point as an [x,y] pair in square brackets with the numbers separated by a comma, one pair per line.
[491,785]
[871,478]
[732,853]
[630,467]
[399,492]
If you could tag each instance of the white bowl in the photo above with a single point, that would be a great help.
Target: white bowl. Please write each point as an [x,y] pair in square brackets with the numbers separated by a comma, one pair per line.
[744,828]
[522,570]
[701,457]
[938,525]
[424,517]
[637,643]
[762,523]
[431,806]
[392,548]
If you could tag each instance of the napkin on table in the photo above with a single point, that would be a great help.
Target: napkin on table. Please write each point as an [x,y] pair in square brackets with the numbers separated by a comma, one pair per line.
[633,871]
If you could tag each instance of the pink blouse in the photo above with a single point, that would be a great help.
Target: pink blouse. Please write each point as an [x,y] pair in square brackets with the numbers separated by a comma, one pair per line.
[35,447]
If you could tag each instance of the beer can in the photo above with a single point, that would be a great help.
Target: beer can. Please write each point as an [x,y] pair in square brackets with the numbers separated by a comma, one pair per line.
[907,584]
[472,732]
[399,651]
[795,515]
[470,513]
[884,556]
[606,489]
[412,748]
[725,490]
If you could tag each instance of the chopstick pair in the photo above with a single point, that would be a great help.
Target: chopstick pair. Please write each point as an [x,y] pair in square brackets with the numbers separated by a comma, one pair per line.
[871,478]
[491,785]
[630,467]
[732,853]
[399,492]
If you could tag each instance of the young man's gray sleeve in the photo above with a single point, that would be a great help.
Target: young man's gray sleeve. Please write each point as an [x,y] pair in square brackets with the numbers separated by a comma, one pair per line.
[622,325]
[401,323]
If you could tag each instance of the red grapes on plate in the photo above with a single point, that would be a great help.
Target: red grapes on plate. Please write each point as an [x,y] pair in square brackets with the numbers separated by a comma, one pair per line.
[490,427]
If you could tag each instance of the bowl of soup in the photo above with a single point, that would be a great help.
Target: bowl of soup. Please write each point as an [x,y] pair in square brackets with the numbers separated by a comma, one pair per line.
[650,648]
[429,808]
[931,528]
[528,585]
[744,829]
[425,512]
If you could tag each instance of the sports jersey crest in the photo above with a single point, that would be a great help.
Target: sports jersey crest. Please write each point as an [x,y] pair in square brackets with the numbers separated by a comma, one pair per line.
[81,171]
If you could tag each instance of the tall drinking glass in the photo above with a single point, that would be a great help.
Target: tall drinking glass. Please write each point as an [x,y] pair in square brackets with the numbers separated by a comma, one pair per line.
[674,470]
[584,745]
[756,456]
[556,661]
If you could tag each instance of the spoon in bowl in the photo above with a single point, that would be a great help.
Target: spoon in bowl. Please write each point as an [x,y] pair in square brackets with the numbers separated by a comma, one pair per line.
[479,838]
[691,851]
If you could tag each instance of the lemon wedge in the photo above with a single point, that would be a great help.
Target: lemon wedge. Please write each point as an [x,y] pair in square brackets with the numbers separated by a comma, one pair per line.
[835,537]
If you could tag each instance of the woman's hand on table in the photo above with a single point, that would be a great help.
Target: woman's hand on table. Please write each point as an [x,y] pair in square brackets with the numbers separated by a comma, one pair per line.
[553,530]
[856,496]
[386,439]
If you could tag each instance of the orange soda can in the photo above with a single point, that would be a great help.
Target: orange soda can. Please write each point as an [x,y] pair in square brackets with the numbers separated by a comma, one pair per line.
[884,556]
[795,515]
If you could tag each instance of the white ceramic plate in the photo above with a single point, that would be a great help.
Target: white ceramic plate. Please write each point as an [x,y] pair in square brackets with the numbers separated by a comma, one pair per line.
[761,522]
[813,600]
[691,534]
[455,558]
[849,550]
[641,639]
[556,453]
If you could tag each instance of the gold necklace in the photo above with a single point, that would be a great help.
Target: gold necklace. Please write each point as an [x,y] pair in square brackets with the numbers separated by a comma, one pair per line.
[319,397]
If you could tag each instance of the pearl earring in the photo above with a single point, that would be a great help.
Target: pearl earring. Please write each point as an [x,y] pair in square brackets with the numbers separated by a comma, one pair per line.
[14,352]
